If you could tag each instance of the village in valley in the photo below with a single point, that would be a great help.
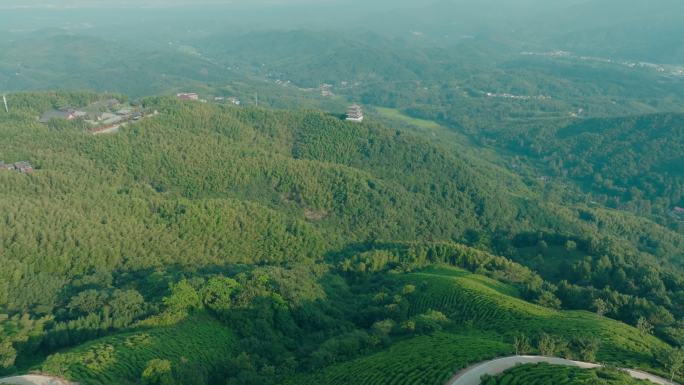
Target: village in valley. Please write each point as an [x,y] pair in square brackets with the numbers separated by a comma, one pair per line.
[193,96]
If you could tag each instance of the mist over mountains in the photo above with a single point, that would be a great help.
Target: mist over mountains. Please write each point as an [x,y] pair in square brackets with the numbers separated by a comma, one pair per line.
[634,30]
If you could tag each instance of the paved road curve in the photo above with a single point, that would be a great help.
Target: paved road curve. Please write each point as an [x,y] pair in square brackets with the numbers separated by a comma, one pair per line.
[35,380]
[472,375]
[468,376]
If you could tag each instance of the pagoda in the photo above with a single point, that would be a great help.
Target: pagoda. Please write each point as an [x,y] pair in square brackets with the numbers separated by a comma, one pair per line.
[355,113]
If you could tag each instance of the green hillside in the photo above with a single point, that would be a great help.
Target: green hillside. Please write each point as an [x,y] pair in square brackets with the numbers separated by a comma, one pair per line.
[428,360]
[630,163]
[195,348]
[626,162]
[309,232]
[479,318]
[340,192]
[485,303]
[482,318]
[550,374]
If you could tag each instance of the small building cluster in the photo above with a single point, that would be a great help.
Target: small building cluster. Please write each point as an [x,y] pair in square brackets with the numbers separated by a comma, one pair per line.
[232,100]
[326,90]
[577,114]
[517,97]
[103,114]
[95,112]
[23,167]
[355,113]
[109,118]
[188,96]
[92,112]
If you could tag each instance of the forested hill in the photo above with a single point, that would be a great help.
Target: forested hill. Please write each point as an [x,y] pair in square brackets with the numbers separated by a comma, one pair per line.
[632,163]
[94,238]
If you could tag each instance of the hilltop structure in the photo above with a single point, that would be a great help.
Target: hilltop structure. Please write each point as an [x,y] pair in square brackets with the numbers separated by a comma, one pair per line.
[355,113]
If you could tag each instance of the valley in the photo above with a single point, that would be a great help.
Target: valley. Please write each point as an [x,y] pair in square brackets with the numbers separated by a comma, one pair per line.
[296,193]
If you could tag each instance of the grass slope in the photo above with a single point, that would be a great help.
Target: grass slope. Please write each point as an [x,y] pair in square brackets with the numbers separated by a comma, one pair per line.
[487,315]
[488,305]
[120,359]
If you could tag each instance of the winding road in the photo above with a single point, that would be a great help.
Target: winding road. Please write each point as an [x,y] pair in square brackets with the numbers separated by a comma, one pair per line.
[468,376]
[472,375]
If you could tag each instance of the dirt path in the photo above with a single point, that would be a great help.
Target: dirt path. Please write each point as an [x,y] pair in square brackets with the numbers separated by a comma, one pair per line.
[113,129]
[472,375]
[32,379]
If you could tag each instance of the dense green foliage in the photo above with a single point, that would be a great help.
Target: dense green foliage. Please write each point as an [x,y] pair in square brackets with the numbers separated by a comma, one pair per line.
[516,187]
[194,347]
[472,300]
[558,116]
[627,163]
[462,312]
[308,232]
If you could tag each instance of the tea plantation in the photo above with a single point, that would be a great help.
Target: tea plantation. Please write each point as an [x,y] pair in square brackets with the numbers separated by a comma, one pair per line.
[485,317]
[487,305]
[421,360]
[545,374]
[194,345]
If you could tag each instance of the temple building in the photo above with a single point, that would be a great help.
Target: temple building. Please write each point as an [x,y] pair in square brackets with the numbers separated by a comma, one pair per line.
[355,114]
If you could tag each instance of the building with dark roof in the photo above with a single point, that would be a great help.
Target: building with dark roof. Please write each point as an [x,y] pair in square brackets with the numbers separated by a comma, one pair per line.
[23,167]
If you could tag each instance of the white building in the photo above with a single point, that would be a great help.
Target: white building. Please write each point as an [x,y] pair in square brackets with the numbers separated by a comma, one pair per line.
[355,113]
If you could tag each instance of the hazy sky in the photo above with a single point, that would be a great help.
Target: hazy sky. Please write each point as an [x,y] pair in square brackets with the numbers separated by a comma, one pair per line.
[145,3]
